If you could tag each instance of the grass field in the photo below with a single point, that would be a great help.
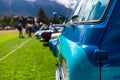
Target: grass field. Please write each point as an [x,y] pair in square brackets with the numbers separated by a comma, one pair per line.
[25,59]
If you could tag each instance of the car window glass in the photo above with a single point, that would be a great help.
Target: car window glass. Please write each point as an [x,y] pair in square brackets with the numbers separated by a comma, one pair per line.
[78,7]
[92,10]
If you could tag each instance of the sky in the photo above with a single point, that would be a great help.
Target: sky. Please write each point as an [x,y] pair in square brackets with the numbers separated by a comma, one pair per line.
[67,3]
[30,0]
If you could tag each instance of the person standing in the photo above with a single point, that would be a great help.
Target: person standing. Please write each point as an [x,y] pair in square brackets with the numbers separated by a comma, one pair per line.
[20,30]
[29,30]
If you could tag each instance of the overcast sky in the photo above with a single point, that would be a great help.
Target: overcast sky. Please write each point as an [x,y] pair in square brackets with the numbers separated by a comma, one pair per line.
[30,0]
[67,3]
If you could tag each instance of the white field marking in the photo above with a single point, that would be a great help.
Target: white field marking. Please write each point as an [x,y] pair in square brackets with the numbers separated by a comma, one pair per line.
[1,59]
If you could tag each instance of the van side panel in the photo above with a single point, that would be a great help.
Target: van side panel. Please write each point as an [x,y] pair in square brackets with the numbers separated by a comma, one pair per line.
[111,43]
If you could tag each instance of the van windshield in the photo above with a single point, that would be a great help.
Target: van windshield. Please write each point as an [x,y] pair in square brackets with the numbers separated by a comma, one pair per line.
[90,10]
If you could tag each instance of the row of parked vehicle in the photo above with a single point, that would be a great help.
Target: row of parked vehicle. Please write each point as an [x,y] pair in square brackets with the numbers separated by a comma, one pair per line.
[88,48]
[50,34]
[45,32]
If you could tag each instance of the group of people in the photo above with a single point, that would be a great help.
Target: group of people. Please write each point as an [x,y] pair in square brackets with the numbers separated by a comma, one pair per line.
[29,28]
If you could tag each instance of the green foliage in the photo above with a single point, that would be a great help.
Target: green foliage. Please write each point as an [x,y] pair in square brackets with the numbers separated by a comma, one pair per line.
[7,20]
[45,19]
[32,61]
[42,16]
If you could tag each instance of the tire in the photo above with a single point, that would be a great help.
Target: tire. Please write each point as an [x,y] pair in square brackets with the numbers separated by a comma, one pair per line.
[64,70]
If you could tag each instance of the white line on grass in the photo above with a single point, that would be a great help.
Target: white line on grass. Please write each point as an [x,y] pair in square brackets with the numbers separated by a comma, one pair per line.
[1,59]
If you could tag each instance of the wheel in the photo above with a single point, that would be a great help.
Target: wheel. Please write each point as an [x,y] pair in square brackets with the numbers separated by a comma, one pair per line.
[58,74]
[64,70]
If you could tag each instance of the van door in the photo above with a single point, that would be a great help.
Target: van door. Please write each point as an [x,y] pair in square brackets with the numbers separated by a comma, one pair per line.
[111,43]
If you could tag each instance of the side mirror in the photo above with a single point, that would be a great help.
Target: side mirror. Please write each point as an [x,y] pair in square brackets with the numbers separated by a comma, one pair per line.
[100,55]
[74,17]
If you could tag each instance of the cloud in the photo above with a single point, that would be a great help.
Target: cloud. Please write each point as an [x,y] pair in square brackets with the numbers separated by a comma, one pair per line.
[66,3]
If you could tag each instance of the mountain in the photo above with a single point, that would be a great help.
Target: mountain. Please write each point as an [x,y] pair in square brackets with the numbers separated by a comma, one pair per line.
[31,8]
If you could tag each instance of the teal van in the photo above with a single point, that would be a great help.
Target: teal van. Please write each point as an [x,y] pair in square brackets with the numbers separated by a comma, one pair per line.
[89,47]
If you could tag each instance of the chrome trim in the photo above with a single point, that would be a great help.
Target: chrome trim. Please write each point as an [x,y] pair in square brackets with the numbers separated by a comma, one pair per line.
[57,74]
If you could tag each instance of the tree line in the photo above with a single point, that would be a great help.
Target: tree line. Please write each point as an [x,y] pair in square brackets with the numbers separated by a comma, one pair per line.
[7,20]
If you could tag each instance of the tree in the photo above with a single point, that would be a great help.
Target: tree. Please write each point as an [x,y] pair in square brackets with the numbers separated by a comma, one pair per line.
[41,15]
[7,20]
[56,19]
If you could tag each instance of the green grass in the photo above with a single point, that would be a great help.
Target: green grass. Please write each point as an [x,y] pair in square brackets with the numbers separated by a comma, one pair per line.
[32,61]
[8,45]
[6,37]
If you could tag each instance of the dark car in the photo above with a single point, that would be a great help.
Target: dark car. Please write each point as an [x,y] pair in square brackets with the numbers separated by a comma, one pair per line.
[43,28]
[46,35]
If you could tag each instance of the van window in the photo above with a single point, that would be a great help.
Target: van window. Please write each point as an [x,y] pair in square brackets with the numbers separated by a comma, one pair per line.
[91,10]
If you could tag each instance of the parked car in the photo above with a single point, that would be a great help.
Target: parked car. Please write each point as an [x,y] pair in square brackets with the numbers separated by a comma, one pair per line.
[53,43]
[46,35]
[53,46]
[89,48]
[42,28]
[7,27]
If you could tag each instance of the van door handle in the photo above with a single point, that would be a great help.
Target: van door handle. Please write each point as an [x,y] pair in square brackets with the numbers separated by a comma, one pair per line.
[100,55]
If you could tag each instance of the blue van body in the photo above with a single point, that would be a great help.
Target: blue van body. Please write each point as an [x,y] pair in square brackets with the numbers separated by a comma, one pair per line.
[99,30]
